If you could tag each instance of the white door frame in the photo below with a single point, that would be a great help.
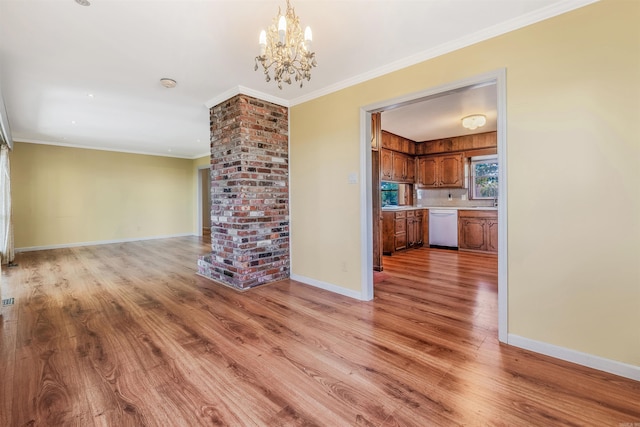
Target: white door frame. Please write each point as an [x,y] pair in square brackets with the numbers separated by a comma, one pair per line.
[366,227]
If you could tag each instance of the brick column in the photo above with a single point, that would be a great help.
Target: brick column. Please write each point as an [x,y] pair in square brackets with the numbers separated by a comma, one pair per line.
[249,194]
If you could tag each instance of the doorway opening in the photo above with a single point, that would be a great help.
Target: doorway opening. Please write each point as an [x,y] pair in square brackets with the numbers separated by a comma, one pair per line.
[371,207]
[204,201]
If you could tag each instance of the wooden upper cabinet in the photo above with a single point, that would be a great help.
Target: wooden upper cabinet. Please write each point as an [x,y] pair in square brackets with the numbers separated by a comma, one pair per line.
[451,171]
[410,168]
[386,165]
[427,172]
[441,171]
[398,143]
[479,141]
[399,167]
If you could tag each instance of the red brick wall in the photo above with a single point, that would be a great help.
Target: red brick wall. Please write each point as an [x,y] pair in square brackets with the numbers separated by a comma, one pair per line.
[250,193]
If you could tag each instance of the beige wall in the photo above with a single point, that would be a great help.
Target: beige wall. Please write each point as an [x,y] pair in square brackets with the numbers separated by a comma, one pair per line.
[68,195]
[573,138]
[202,161]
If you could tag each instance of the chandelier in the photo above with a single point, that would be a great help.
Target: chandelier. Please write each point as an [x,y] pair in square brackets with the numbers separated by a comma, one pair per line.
[285,50]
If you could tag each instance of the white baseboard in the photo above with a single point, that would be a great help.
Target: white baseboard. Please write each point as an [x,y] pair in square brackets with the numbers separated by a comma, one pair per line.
[98,242]
[328,287]
[584,359]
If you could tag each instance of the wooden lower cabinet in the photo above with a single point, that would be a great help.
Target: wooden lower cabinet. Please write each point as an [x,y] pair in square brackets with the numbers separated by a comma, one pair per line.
[402,230]
[478,231]
[415,228]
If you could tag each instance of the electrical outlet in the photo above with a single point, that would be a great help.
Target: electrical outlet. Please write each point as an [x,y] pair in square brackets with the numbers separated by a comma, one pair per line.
[344,266]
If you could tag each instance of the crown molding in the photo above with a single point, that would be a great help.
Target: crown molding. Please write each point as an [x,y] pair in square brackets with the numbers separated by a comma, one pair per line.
[115,150]
[462,42]
[207,154]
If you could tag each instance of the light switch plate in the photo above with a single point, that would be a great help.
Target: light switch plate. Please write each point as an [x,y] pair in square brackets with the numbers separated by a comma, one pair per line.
[352,178]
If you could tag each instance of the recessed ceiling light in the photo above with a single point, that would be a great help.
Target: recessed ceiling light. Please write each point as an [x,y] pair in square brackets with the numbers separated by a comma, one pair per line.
[73,122]
[83,2]
[168,83]
[90,95]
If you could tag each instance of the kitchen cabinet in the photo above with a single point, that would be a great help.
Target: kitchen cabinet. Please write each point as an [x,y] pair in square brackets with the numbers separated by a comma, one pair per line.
[415,229]
[397,167]
[386,165]
[397,143]
[444,171]
[403,168]
[425,226]
[427,172]
[402,230]
[479,141]
[394,231]
[478,231]
[410,169]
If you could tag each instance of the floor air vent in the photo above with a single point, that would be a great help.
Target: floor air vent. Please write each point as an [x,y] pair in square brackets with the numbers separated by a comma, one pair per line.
[8,301]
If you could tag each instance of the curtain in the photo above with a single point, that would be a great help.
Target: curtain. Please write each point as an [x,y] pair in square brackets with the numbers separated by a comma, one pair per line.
[6,222]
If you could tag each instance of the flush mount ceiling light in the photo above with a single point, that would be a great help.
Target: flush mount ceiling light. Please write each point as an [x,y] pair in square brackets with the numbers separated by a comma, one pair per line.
[168,83]
[286,50]
[474,121]
[83,2]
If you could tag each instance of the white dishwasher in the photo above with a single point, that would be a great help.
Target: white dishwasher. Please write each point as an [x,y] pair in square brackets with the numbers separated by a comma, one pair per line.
[443,227]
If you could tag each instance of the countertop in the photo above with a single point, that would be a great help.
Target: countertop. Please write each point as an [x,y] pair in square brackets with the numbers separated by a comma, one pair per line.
[457,208]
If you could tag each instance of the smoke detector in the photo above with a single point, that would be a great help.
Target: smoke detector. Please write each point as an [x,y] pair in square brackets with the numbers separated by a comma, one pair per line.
[168,83]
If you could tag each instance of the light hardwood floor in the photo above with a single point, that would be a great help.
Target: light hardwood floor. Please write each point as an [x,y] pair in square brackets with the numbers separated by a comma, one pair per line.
[128,335]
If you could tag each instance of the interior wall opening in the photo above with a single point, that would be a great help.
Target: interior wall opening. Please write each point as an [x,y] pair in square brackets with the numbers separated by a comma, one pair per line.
[409,106]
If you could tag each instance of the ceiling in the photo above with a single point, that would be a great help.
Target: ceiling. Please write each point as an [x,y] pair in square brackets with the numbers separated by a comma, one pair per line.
[89,76]
[441,116]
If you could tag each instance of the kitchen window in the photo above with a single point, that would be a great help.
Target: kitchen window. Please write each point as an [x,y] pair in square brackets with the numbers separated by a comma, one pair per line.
[389,192]
[484,177]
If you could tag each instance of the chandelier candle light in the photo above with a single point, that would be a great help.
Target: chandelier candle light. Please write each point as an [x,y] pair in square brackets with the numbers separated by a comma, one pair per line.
[286,50]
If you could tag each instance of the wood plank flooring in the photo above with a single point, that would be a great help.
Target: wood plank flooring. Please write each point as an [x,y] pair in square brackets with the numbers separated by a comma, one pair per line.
[128,335]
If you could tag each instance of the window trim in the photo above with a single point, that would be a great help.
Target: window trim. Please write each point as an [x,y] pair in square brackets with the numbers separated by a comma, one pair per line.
[472,176]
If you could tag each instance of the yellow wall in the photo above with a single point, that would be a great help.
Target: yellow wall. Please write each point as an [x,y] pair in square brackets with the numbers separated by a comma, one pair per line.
[69,195]
[573,138]
[202,161]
